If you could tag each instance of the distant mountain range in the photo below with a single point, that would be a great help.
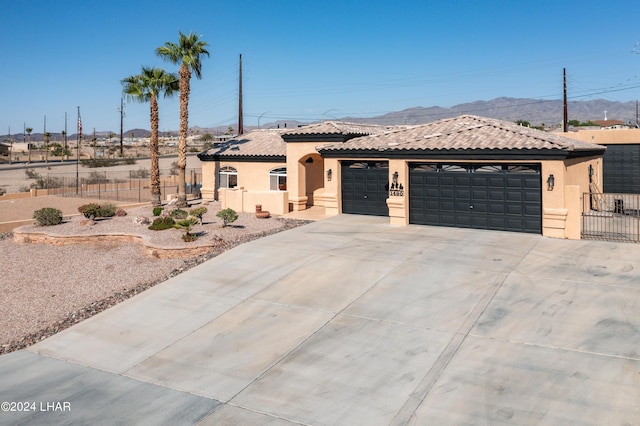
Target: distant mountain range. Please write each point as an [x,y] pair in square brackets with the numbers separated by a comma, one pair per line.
[535,111]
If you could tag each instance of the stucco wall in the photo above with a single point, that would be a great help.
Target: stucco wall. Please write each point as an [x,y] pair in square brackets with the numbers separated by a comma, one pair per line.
[606,137]
[252,176]
[240,200]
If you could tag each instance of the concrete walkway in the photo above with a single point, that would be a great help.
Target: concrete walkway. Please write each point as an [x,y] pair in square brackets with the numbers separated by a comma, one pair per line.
[349,321]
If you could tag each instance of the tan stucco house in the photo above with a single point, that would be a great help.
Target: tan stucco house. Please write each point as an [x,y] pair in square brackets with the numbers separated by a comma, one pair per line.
[468,171]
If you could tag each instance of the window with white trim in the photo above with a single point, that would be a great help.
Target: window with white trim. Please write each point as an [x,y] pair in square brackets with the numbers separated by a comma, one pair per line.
[228,177]
[278,179]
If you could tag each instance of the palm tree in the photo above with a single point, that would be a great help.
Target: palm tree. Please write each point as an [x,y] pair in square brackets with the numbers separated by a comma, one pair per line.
[145,87]
[64,137]
[188,53]
[47,138]
[29,130]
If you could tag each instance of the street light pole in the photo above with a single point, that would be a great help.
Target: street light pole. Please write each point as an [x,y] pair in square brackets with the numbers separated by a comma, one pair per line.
[325,113]
[261,117]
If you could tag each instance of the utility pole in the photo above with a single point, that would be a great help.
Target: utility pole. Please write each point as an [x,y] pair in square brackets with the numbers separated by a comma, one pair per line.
[10,145]
[65,134]
[121,127]
[565,117]
[78,139]
[240,121]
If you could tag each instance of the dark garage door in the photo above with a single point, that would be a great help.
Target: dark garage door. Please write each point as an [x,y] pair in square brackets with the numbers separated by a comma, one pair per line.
[621,169]
[365,187]
[498,197]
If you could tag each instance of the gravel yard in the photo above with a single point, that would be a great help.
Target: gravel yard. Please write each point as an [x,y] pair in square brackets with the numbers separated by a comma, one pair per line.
[46,288]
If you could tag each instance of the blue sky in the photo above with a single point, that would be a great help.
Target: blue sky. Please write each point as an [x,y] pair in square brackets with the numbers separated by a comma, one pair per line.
[304,58]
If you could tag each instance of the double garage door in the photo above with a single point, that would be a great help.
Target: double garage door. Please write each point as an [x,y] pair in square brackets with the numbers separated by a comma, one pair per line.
[497,197]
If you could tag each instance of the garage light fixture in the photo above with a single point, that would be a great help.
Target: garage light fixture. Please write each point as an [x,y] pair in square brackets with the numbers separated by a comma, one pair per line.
[551,181]
[329,175]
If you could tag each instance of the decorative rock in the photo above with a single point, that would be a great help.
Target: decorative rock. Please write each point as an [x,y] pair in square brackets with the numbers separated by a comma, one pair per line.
[172,202]
[141,220]
[87,222]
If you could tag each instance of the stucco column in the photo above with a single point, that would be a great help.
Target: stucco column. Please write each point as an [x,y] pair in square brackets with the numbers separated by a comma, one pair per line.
[398,187]
[331,195]
[209,176]
[554,210]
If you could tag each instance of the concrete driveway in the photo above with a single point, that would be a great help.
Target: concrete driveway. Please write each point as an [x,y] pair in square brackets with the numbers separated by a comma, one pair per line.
[351,321]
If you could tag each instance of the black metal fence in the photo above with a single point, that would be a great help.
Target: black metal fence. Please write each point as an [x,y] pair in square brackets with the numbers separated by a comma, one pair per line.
[611,217]
[132,186]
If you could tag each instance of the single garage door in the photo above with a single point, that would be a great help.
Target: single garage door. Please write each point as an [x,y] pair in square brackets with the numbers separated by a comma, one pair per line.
[365,187]
[498,197]
[621,169]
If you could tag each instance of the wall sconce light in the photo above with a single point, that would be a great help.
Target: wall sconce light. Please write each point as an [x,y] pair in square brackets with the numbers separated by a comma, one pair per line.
[590,170]
[329,175]
[395,178]
[551,182]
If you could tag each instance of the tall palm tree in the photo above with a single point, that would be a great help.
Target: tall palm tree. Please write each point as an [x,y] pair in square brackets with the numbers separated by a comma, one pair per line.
[29,130]
[146,87]
[47,138]
[188,53]
[64,137]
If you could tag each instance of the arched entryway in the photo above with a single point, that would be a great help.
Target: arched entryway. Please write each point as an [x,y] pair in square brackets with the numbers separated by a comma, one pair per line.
[311,168]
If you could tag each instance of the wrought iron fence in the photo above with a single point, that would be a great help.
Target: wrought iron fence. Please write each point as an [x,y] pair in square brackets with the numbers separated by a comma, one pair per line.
[133,185]
[611,217]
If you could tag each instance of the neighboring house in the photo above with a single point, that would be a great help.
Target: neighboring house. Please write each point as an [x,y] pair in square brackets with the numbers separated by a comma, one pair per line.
[610,124]
[621,161]
[5,147]
[468,171]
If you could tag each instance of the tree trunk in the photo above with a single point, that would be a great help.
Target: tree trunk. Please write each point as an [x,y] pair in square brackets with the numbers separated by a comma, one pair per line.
[185,76]
[153,146]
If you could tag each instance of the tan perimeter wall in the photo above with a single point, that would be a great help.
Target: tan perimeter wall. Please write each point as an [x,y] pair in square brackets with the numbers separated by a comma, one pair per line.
[606,137]
[240,200]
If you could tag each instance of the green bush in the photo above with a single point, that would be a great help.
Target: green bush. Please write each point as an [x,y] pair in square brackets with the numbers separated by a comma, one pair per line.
[179,214]
[107,210]
[198,212]
[90,211]
[162,223]
[93,210]
[228,216]
[157,211]
[48,216]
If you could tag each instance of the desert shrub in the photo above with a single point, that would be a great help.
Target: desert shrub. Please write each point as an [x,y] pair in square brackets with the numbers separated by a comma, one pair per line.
[161,223]
[157,211]
[141,173]
[90,211]
[129,160]
[121,213]
[93,210]
[2,191]
[179,214]
[228,216]
[48,216]
[107,210]
[174,169]
[96,178]
[31,174]
[198,212]
[47,182]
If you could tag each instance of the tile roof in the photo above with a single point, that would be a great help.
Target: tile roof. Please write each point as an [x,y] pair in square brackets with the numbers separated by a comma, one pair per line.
[257,143]
[466,132]
[337,128]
